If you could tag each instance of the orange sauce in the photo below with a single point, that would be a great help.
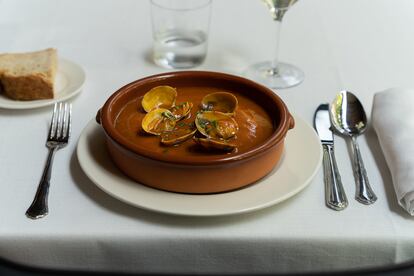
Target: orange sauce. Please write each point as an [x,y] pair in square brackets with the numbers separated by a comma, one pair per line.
[255,124]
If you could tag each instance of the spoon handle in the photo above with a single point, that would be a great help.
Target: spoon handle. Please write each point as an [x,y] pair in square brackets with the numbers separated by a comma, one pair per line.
[335,196]
[364,192]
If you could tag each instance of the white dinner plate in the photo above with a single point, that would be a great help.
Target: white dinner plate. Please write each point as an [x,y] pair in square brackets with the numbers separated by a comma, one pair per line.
[70,78]
[300,162]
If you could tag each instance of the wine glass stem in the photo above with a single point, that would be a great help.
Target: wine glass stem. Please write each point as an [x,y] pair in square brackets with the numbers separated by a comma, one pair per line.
[275,61]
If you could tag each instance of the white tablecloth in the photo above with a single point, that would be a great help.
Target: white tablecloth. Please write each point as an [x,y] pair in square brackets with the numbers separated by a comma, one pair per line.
[361,45]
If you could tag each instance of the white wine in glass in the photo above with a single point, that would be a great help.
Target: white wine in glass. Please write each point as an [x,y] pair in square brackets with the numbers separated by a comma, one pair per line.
[273,73]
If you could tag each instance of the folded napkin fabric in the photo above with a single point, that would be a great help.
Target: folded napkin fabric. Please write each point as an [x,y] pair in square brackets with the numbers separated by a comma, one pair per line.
[393,121]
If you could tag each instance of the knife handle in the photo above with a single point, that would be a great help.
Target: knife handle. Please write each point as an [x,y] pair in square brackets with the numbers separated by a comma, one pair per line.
[335,196]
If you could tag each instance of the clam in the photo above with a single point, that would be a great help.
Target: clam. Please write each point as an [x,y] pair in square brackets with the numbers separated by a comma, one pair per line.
[212,144]
[181,110]
[220,101]
[161,96]
[216,125]
[157,121]
[178,135]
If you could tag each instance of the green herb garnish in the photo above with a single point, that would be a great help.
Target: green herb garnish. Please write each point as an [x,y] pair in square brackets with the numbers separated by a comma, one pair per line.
[168,115]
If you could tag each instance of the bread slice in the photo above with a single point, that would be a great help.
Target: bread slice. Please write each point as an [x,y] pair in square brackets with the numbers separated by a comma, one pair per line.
[29,76]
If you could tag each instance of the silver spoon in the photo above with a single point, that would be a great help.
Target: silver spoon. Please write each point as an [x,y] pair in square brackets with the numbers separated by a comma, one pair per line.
[348,118]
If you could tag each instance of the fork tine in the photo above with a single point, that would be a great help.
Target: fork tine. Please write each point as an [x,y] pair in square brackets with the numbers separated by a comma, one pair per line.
[64,116]
[52,128]
[69,120]
[59,121]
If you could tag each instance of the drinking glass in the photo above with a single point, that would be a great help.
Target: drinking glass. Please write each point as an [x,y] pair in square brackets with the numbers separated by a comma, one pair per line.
[180,31]
[276,74]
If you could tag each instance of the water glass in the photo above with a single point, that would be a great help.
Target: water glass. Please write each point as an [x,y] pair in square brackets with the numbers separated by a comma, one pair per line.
[180,31]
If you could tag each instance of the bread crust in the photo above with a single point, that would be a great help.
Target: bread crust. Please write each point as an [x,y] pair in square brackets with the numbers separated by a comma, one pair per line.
[32,87]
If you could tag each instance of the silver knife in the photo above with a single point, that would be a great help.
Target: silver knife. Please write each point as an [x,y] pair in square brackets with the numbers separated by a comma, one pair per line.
[335,196]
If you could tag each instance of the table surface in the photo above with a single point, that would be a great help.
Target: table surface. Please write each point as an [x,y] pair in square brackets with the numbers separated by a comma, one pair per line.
[364,46]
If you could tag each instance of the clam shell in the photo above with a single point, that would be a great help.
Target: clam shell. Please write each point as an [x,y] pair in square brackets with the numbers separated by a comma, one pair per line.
[216,125]
[181,110]
[212,144]
[157,121]
[161,96]
[224,102]
[177,135]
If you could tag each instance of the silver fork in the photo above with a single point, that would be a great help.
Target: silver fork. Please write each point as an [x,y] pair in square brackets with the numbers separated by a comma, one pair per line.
[58,137]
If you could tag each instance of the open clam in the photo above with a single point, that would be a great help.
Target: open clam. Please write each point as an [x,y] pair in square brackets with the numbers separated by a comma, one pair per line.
[180,133]
[220,101]
[212,144]
[161,96]
[158,121]
[181,110]
[216,125]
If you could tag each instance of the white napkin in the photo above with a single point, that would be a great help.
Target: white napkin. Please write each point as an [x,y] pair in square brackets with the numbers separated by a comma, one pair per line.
[393,120]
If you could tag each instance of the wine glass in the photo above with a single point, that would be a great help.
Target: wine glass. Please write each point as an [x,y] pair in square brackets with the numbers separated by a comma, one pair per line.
[276,74]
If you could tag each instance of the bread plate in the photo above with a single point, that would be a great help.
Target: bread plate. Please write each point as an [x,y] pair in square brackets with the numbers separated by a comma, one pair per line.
[69,80]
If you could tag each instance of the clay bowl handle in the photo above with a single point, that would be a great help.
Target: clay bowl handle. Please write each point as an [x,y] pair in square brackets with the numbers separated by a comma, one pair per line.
[98,116]
[291,121]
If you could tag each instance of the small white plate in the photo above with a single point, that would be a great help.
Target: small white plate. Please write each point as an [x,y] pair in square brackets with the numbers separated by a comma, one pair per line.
[301,160]
[69,80]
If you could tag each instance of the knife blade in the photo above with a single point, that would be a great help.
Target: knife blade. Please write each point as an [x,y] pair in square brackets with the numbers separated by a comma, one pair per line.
[335,197]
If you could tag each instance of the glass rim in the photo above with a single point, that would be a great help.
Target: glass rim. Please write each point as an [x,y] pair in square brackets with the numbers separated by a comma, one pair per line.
[208,2]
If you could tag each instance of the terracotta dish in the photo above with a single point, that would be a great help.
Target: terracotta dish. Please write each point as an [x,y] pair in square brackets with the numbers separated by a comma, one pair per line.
[263,120]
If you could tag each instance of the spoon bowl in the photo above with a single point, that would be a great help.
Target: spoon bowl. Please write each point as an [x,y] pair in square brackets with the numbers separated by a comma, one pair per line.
[348,118]
[347,114]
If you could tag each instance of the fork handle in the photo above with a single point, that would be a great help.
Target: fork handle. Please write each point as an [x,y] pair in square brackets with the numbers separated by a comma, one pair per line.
[39,207]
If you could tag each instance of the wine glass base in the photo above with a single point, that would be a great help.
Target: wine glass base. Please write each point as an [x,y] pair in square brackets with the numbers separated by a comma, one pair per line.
[287,75]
